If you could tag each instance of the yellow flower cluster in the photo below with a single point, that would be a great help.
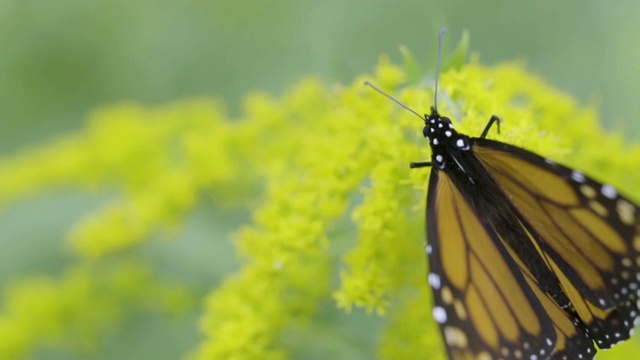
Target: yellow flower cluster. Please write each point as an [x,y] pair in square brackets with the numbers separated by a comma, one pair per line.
[74,312]
[339,219]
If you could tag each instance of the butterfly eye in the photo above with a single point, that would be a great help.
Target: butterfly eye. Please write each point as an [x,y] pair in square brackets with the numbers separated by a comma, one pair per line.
[425,131]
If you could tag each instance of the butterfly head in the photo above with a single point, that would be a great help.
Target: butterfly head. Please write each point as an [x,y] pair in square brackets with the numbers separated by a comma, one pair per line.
[443,138]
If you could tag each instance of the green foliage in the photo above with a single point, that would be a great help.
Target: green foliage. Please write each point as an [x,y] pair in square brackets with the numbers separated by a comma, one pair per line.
[325,160]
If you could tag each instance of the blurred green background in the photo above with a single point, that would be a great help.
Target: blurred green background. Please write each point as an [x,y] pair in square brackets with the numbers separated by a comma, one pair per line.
[60,60]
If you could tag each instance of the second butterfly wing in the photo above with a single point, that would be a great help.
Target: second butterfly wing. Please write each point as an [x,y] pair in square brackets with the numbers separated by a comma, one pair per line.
[586,232]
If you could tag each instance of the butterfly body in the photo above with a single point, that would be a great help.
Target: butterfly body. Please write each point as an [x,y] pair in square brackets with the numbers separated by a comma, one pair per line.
[517,263]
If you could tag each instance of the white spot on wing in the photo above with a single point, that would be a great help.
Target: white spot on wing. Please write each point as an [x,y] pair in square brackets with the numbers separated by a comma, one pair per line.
[608,191]
[439,315]
[434,280]
[577,176]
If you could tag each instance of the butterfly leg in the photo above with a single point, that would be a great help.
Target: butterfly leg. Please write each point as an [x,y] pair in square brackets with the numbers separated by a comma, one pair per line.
[420,164]
[494,119]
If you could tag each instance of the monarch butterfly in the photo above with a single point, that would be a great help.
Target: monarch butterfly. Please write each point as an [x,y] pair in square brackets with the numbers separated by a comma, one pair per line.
[529,259]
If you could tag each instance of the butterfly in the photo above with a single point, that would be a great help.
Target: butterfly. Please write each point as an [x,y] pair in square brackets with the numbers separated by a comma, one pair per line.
[529,259]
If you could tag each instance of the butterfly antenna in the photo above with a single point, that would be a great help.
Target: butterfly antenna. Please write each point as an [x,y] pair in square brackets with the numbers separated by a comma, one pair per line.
[435,96]
[393,99]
